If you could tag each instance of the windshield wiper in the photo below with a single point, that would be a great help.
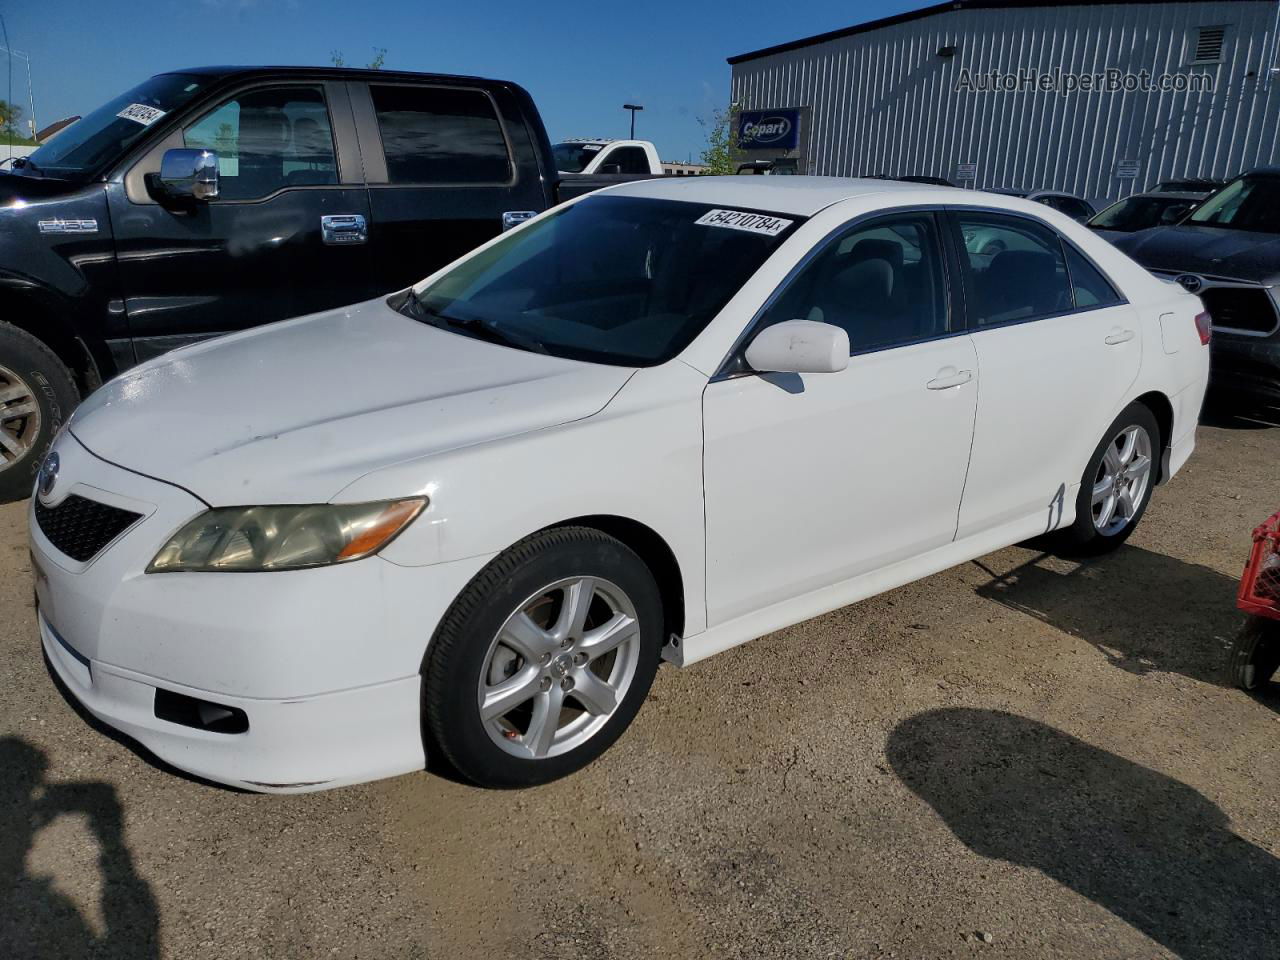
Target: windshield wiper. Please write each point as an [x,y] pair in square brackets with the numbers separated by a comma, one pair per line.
[483,329]
[490,331]
[27,165]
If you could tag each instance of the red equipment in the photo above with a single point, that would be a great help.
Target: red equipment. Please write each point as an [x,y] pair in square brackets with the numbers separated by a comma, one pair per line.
[1254,657]
[1260,584]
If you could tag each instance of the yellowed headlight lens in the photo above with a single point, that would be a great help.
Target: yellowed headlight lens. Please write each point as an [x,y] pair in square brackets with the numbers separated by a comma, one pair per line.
[230,539]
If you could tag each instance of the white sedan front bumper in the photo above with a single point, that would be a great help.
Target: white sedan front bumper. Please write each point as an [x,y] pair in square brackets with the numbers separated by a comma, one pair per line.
[323,665]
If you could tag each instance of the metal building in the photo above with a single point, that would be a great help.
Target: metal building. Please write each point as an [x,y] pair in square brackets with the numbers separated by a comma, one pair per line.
[1100,99]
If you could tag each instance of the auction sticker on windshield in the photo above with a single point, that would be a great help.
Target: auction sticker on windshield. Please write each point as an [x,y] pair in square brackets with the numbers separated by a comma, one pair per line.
[141,113]
[740,220]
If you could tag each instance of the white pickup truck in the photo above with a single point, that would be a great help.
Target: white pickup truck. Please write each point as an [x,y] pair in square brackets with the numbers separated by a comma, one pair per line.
[625,157]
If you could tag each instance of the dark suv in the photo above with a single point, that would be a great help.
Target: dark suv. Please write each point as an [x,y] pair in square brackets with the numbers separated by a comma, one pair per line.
[209,200]
[1228,252]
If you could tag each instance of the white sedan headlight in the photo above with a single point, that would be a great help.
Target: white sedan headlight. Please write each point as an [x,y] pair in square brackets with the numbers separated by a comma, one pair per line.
[284,538]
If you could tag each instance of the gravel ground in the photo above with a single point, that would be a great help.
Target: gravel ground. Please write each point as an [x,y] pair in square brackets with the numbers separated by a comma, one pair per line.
[1019,757]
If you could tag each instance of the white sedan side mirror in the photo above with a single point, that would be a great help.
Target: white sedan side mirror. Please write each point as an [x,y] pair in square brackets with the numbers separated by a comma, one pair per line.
[799,346]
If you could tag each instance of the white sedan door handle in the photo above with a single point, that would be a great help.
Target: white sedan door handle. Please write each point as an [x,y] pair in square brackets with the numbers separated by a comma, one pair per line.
[950,377]
[1120,336]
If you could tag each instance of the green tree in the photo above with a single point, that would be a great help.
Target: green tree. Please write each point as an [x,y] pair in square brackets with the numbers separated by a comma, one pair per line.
[721,130]
[224,142]
[9,114]
[379,58]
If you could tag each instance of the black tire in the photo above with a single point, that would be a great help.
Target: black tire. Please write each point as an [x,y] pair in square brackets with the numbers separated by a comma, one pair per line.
[456,658]
[55,393]
[1255,655]
[1083,538]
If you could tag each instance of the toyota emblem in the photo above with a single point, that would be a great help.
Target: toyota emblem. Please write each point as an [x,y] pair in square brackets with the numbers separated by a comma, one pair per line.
[1190,282]
[48,474]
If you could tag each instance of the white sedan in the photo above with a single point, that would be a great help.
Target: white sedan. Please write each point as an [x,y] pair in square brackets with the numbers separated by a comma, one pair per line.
[470,519]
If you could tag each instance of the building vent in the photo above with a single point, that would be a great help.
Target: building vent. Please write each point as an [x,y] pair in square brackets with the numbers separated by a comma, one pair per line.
[1208,48]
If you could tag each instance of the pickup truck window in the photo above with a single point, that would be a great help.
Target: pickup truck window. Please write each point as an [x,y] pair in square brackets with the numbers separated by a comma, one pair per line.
[440,135]
[267,140]
[573,157]
[103,135]
[628,281]
[627,159]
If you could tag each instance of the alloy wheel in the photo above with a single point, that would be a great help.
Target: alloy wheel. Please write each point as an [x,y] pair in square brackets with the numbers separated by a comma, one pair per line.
[19,418]
[559,667]
[1123,480]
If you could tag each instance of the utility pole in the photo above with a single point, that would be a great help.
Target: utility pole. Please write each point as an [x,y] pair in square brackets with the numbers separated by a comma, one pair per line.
[31,100]
[633,107]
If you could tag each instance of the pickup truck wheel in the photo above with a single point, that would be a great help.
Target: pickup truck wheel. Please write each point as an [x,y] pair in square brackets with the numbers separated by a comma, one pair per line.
[37,393]
[544,659]
[1116,486]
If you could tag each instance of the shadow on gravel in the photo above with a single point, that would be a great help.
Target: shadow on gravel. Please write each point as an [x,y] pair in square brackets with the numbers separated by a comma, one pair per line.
[36,920]
[1143,611]
[1147,847]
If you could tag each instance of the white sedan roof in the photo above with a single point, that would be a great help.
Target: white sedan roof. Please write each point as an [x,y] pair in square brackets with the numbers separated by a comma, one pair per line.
[802,196]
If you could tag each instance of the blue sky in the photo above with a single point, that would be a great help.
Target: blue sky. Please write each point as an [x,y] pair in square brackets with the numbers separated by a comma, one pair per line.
[580,61]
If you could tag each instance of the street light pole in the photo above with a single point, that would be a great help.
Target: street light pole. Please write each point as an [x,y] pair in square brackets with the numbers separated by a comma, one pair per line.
[633,107]
[31,100]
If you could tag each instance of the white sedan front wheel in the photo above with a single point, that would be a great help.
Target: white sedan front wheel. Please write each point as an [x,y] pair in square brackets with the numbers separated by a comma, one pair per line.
[544,659]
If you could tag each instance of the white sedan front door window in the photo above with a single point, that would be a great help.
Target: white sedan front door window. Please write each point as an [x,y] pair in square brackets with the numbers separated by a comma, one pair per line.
[813,479]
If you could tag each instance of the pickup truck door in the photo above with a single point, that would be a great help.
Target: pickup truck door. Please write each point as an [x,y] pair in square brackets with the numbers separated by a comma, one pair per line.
[282,239]
[448,166]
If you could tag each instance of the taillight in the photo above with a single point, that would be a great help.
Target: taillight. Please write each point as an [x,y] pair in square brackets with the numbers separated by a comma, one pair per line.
[1204,327]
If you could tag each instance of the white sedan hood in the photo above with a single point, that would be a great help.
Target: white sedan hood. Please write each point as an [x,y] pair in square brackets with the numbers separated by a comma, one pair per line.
[295,411]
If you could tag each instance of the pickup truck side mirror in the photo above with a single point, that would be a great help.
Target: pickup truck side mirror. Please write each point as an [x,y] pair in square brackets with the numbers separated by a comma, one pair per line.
[187,175]
[611,168]
[799,346]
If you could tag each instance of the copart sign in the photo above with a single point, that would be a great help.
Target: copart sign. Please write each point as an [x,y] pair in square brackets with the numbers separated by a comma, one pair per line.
[768,129]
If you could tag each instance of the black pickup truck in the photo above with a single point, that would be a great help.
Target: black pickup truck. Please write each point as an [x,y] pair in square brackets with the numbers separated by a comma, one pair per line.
[209,200]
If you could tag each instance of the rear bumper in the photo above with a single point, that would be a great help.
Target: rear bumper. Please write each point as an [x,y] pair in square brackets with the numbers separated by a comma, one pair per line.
[290,746]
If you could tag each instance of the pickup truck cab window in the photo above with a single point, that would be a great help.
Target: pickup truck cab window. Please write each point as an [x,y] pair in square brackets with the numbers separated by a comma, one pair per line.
[572,157]
[619,280]
[627,160]
[103,135]
[440,135]
[266,140]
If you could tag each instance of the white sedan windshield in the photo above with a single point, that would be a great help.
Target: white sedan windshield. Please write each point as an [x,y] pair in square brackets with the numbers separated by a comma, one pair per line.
[621,280]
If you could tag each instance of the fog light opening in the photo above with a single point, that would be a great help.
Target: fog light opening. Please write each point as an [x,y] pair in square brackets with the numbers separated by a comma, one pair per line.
[200,714]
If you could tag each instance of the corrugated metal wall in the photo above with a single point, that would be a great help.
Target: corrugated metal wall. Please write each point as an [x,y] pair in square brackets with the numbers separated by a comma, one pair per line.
[885,102]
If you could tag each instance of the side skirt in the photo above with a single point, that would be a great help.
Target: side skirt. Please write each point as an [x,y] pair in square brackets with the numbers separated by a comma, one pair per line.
[717,639]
